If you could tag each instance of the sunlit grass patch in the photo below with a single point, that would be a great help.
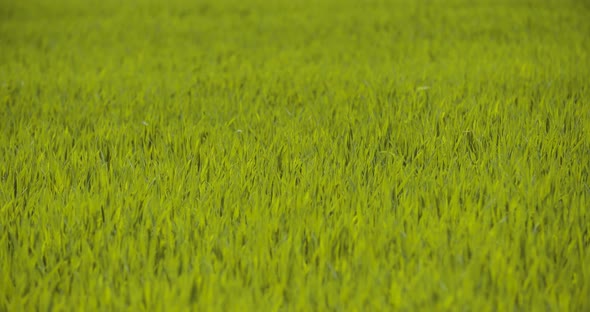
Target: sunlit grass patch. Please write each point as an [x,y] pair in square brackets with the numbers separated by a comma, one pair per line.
[397,155]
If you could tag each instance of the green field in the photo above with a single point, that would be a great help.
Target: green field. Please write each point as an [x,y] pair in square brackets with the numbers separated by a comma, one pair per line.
[299,155]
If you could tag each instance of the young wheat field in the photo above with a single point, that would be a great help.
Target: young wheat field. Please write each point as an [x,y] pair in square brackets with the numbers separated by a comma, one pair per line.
[260,155]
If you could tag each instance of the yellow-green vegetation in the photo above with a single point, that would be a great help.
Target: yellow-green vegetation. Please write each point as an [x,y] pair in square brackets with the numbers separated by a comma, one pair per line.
[295,155]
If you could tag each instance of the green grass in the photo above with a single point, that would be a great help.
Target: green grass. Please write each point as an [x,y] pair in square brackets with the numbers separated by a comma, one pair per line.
[295,155]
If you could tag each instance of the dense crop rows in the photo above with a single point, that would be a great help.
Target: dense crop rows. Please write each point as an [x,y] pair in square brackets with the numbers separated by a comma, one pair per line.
[295,155]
